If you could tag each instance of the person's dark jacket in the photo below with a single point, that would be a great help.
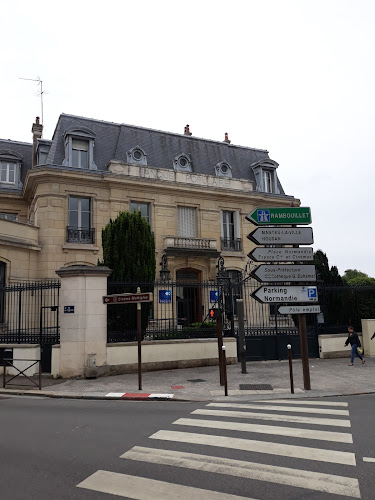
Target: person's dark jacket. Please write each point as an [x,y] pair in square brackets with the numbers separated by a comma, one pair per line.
[353,339]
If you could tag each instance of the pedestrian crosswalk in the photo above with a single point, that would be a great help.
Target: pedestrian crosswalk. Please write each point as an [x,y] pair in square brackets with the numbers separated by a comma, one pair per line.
[291,445]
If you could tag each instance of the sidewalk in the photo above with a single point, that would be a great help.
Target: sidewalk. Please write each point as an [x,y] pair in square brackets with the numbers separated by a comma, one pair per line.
[329,377]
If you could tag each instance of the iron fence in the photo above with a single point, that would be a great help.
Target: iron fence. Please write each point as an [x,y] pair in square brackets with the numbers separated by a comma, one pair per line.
[29,313]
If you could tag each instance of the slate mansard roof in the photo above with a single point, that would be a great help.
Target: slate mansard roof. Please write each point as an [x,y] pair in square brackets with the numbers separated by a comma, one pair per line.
[113,141]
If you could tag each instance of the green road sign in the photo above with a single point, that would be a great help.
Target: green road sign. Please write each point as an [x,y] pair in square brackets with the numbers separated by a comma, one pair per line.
[277,215]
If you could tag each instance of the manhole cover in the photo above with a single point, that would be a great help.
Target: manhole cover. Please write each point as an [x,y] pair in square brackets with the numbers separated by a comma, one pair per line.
[195,380]
[256,387]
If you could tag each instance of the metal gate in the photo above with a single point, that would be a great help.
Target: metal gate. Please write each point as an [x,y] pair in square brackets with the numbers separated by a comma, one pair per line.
[29,313]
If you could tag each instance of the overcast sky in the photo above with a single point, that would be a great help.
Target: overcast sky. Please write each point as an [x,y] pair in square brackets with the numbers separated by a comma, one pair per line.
[294,77]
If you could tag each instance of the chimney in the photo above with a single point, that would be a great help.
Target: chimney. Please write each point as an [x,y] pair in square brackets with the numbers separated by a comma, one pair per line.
[226,138]
[187,130]
[37,130]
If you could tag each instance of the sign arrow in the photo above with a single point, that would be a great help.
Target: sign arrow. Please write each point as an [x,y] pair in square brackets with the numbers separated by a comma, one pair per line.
[288,294]
[303,254]
[282,236]
[279,215]
[266,272]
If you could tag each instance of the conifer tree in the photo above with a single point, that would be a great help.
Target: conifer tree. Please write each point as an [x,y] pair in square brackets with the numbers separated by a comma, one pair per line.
[129,250]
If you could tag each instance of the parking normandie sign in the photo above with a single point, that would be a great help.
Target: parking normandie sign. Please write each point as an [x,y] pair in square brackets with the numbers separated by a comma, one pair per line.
[277,216]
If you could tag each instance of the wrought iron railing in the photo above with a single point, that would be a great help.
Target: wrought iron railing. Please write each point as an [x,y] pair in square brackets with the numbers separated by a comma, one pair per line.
[79,235]
[231,245]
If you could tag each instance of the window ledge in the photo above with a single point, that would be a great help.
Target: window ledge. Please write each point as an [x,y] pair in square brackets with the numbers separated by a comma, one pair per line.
[80,246]
[232,253]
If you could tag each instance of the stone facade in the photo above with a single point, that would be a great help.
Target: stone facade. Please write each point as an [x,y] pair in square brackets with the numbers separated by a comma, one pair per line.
[37,244]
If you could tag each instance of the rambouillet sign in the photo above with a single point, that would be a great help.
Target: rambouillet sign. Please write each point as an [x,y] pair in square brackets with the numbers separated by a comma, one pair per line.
[277,216]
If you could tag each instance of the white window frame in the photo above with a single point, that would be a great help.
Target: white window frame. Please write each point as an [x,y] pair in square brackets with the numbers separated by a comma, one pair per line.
[80,198]
[8,164]
[80,146]
[268,181]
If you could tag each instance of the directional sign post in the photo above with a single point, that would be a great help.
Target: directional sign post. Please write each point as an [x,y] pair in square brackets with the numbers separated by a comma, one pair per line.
[299,309]
[285,294]
[282,236]
[269,272]
[133,298]
[279,216]
[303,254]
[128,298]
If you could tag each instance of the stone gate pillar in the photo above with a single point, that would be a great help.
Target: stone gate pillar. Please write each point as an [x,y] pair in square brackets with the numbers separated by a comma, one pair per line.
[83,319]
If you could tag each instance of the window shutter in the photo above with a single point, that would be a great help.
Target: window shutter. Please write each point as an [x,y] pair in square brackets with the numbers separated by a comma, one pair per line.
[187,222]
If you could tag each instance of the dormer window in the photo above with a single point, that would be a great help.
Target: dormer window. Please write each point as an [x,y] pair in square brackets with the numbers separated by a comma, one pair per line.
[265,176]
[10,170]
[137,155]
[182,162]
[80,154]
[223,169]
[79,149]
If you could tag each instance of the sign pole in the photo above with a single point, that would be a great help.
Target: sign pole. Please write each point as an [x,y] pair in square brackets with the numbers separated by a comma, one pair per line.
[219,333]
[139,339]
[241,335]
[304,351]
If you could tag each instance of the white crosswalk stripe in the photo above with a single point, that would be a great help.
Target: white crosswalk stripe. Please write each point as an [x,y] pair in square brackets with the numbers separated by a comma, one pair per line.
[271,416]
[339,437]
[316,481]
[142,488]
[288,443]
[296,409]
[285,450]
[305,403]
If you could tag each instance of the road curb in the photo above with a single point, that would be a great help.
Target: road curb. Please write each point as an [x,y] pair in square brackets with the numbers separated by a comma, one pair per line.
[97,397]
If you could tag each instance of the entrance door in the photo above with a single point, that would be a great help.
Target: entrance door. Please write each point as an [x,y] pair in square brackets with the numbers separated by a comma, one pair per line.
[189,297]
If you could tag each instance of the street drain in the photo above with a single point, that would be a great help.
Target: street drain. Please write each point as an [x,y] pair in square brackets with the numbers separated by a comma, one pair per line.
[256,387]
[195,380]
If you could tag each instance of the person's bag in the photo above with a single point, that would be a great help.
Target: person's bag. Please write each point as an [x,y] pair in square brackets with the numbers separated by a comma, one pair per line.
[360,350]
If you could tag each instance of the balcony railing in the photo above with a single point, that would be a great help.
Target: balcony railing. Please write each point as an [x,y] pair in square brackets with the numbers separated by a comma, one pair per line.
[231,245]
[190,243]
[79,235]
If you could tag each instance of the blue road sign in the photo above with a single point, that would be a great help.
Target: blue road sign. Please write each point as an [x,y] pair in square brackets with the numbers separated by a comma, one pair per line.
[165,296]
[214,295]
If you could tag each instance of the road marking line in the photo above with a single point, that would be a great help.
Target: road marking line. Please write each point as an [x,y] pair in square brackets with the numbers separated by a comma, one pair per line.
[282,408]
[338,437]
[316,481]
[299,402]
[271,416]
[286,450]
[114,395]
[141,488]
[368,459]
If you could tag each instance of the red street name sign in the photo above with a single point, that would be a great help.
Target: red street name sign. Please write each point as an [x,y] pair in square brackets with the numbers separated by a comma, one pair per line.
[127,298]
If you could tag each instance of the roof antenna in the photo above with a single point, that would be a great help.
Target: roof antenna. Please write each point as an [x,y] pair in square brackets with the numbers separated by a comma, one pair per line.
[39,93]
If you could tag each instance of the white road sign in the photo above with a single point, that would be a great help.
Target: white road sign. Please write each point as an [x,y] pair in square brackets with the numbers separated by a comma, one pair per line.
[288,294]
[269,272]
[299,309]
[303,254]
[282,236]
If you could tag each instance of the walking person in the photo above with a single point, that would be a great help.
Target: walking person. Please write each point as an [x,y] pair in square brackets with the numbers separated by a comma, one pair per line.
[354,341]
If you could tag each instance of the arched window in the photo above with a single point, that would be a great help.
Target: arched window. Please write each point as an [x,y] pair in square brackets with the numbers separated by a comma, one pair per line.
[223,169]
[182,162]
[136,156]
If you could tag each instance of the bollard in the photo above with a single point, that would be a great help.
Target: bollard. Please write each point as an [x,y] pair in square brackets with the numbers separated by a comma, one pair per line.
[290,368]
[224,361]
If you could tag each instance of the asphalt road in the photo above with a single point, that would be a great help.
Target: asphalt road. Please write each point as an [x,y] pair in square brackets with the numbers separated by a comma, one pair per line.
[49,446]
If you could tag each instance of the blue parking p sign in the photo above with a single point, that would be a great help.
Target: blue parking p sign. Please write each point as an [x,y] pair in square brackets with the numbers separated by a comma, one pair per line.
[165,296]
[312,292]
[213,296]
